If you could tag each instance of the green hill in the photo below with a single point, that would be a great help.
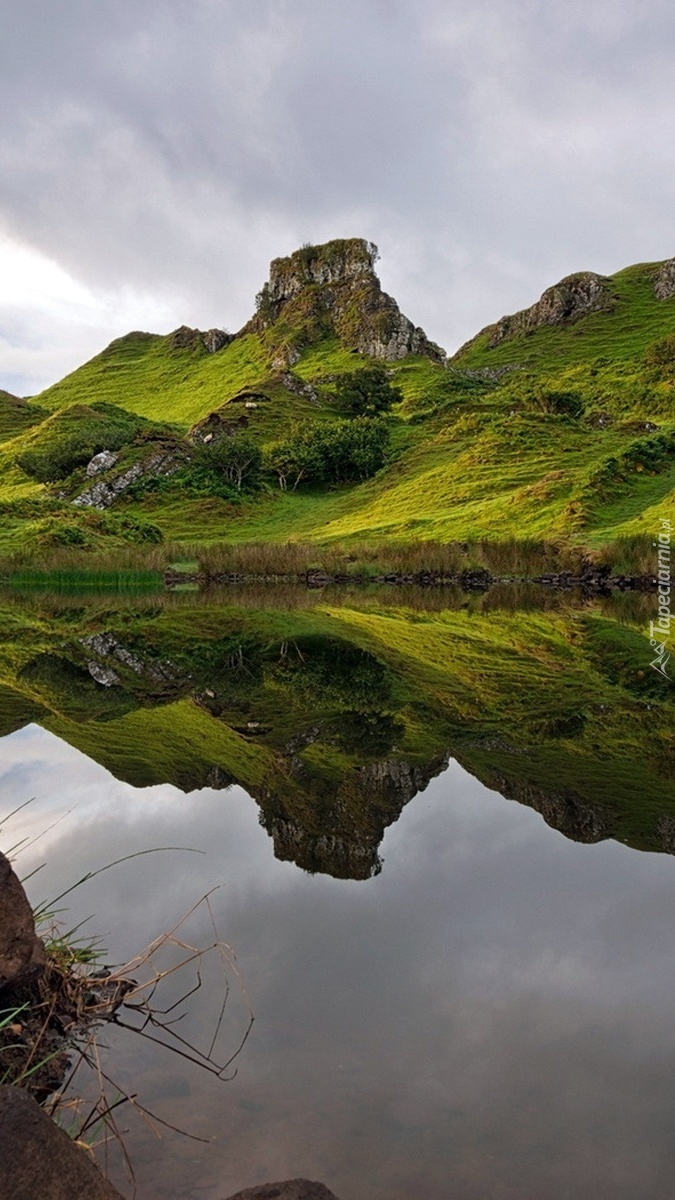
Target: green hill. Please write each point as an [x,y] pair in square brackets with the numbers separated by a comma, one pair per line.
[556,424]
[17,415]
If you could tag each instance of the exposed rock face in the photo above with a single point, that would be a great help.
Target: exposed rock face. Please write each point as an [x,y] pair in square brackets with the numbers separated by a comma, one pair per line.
[567,813]
[103,675]
[325,853]
[38,1161]
[218,424]
[22,955]
[215,339]
[185,338]
[575,296]
[333,289]
[101,462]
[291,1189]
[664,280]
[665,832]
[106,646]
[105,492]
[353,819]
[298,386]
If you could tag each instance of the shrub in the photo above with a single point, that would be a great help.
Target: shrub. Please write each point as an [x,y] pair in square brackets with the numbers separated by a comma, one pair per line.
[75,436]
[367,392]
[237,458]
[651,454]
[332,452]
[68,535]
[563,404]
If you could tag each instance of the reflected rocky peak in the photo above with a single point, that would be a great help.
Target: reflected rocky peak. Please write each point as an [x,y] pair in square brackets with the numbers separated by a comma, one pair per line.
[334,718]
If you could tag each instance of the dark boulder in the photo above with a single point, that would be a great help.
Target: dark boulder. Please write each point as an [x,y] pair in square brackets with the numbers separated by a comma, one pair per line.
[22,955]
[291,1189]
[38,1161]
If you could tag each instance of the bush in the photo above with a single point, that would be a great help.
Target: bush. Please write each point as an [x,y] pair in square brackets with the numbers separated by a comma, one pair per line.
[75,436]
[67,535]
[651,454]
[367,392]
[237,459]
[562,404]
[332,452]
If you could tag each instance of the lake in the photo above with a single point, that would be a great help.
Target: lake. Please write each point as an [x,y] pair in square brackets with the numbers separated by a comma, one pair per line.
[441,831]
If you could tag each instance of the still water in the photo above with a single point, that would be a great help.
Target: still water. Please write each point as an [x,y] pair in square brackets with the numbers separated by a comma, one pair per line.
[485,1011]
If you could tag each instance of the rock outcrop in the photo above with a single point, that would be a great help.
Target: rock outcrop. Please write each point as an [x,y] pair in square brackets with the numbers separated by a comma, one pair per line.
[664,280]
[105,492]
[212,340]
[22,954]
[38,1161]
[102,461]
[570,814]
[106,646]
[574,297]
[290,1189]
[333,290]
[325,853]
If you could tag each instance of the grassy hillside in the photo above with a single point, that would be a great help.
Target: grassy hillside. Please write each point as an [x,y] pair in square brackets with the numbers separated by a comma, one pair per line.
[17,415]
[146,374]
[636,319]
[563,433]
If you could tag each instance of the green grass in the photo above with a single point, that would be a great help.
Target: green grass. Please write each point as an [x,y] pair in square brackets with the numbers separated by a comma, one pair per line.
[72,581]
[143,374]
[17,415]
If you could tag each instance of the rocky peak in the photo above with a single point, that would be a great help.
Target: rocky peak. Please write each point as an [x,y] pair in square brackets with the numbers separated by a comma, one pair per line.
[344,840]
[575,296]
[332,289]
[333,263]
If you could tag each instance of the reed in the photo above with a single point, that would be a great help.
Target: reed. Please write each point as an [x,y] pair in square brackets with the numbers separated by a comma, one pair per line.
[70,581]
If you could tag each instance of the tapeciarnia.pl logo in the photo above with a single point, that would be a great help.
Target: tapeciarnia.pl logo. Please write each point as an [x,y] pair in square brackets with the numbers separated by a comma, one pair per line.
[659,630]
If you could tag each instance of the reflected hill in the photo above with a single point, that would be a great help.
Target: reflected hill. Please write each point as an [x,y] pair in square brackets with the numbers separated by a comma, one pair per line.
[334,710]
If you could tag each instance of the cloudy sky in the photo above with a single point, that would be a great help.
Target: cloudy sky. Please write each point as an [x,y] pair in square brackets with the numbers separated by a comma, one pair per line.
[155,154]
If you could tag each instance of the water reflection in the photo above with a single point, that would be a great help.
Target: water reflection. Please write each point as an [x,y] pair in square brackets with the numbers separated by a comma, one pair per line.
[334,713]
[451,999]
[491,1015]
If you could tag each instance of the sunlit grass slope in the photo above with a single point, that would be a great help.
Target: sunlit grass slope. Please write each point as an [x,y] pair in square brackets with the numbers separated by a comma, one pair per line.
[564,434]
[143,373]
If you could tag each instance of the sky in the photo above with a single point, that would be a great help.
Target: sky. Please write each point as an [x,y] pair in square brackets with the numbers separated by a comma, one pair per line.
[156,154]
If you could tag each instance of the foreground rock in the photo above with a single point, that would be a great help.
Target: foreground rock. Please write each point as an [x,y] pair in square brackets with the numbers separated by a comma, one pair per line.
[291,1189]
[38,1161]
[22,955]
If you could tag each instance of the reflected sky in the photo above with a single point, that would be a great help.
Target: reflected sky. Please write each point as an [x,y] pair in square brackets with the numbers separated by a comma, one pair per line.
[490,1016]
